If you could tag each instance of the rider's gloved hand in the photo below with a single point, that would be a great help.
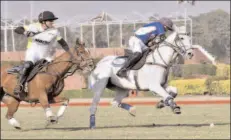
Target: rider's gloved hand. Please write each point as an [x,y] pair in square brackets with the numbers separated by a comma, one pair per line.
[150,43]
[19,30]
[157,39]
[162,38]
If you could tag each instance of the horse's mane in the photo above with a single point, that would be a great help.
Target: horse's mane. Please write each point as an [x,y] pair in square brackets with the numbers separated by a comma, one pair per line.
[61,56]
[60,62]
[170,38]
[77,44]
[177,30]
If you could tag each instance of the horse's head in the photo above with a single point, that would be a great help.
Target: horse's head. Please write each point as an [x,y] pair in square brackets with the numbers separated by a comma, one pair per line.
[83,57]
[181,43]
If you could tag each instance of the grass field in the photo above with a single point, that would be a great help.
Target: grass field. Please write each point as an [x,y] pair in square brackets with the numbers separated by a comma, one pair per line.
[85,93]
[193,123]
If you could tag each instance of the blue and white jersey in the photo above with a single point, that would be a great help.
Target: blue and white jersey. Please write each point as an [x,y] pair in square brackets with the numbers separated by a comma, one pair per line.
[145,32]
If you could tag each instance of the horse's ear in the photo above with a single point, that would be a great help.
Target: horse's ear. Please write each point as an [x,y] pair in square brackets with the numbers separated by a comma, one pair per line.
[83,43]
[79,42]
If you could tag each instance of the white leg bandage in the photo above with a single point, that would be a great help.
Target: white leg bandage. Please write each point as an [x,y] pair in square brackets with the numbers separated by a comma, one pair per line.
[61,110]
[48,112]
[14,122]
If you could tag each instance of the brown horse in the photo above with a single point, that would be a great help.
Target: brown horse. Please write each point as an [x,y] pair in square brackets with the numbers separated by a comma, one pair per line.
[47,84]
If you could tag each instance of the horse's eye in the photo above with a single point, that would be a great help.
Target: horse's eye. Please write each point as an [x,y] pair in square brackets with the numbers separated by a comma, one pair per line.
[182,38]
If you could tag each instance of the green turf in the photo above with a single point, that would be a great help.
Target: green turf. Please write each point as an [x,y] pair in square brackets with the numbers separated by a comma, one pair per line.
[193,123]
[85,93]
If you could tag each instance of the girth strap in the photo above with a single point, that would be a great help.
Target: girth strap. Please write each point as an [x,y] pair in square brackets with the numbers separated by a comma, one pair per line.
[136,80]
[161,65]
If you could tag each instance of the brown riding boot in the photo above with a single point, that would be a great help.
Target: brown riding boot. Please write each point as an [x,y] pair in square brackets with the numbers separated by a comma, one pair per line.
[22,77]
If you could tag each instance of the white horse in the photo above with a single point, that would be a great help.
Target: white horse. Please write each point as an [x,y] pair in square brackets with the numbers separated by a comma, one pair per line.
[152,76]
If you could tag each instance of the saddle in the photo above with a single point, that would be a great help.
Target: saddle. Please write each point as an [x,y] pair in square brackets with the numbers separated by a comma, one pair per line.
[39,67]
[137,65]
[34,70]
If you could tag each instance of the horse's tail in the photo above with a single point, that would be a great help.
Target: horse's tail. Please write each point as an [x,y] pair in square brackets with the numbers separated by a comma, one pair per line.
[2,93]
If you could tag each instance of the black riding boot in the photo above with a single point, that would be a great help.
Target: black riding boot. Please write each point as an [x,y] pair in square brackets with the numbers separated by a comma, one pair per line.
[22,77]
[132,59]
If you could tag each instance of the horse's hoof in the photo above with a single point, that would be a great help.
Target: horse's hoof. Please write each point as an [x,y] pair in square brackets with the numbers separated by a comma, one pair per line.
[176,110]
[160,104]
[132,111]
[16,127]
[14,123]
[53,119]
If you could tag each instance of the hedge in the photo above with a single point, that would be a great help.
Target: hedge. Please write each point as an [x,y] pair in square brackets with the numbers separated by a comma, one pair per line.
[220,87]
[200,86]
[189,70]
[223,70]
[196,69]
[192,86]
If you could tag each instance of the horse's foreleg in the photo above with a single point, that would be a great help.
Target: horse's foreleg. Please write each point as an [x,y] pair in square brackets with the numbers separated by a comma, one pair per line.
[12,105]
[64,101]
[97,89]
[168,99]
[43,99]
[117,101]
[172,91]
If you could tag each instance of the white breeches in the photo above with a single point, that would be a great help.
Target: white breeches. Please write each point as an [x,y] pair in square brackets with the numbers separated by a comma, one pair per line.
[136,45]
[36,53]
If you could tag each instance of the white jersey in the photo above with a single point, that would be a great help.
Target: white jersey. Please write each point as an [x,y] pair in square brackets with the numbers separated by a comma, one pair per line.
[42,45]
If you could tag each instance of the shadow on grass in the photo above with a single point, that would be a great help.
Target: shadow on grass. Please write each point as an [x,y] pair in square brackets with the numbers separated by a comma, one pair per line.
[130,126]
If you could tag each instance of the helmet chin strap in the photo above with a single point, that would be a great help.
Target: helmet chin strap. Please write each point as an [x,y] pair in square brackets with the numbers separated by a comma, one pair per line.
[46,25]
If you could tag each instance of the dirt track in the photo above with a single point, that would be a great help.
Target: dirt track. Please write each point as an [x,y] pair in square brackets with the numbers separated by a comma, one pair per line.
[181,100]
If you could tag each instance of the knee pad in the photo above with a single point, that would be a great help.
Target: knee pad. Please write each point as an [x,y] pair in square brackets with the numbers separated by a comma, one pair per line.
[26,67]
[28,64]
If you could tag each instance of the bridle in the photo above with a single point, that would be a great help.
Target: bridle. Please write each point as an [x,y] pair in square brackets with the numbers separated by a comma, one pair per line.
[76,64]
[179,49]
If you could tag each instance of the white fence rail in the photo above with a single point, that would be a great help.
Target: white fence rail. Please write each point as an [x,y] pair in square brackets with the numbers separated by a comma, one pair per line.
[104,34]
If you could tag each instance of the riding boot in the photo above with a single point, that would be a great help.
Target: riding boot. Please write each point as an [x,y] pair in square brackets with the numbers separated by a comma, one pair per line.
[22,77]
[132,59]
